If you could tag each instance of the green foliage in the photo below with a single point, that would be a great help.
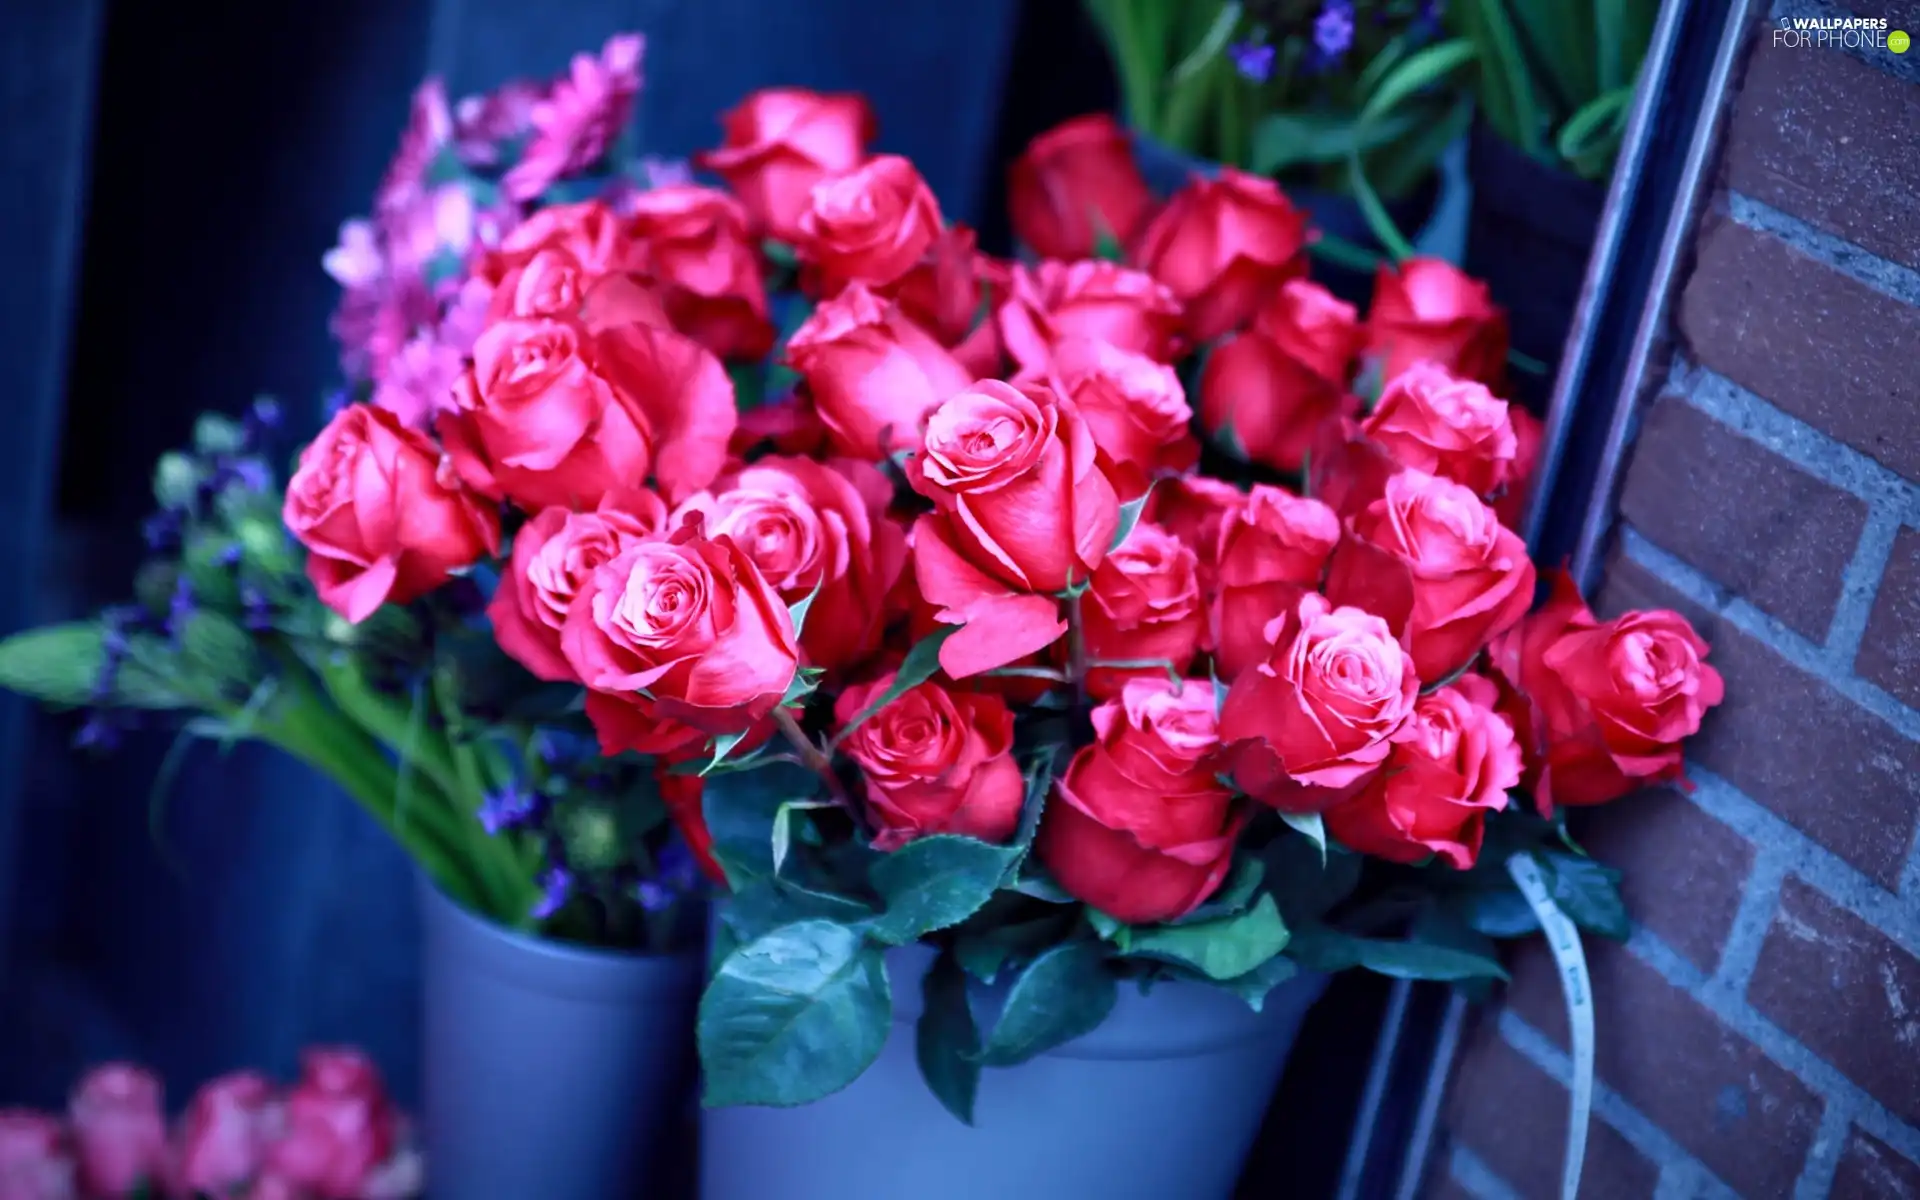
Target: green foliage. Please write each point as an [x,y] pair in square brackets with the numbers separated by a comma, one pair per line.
[55,664]
[946,1040]
[1225,948]
[936,882]
[1062,994]
[1326,949]
[921,664]
[741,808]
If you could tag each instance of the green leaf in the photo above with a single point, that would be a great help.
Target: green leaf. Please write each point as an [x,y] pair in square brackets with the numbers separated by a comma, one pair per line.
[741,807]
[54,664]
[1063,994]
[1505,79]
[1106,246]
[1222,949]
[783,826]
[1129,517]
[1587,891]
[780,254]
[792,1016]
[764,905]
[1311,827]
[749,385]
[797,612]
[176,480]
[935,882]
[921,664]
[985,951]
[1110,929]
[946,1041]
[723,745]
[1498,912]
[1329,950]
[1288,139]
[1210,46]
[1303,884]
[1255,984]
[1234,894]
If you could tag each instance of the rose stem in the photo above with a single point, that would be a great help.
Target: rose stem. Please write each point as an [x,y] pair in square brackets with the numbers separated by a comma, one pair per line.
[811,755]
[1076,651]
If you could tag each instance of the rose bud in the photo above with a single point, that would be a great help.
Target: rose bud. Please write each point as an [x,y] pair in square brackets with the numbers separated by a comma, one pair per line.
[944,292]
[553,554]
[1432,560]
[1224,245]
[1451,765]
[682,795]
[1312,326]
[1075,183]
[1022,507]
[780,142]
[1270,549]
[811,530]
[587,237]
[225,1134]
[873,374]
[1191,508]
[340,1125]
[1609,703]
[553,414]
[1094,299]
[1141,828]
[1433,421]
[934,761]
[34,1164]
[1135,408]
[1144,604]
[1305,728]
[870,225]
[1264,404]
[119,1132]
[678,640]
[1430,309]
[379,520]
[694,243]
[1527,434]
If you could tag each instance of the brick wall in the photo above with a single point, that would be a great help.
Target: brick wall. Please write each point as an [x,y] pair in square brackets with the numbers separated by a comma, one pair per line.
[1759,1035]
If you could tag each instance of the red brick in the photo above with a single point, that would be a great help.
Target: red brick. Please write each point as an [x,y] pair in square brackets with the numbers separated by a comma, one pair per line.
[1750,519]
[1736,1110]
[1890,652]
[1809,136]
[1872,1170]
[1825,348]
[1683,872]
[1841,775]
[1511,1114]
[1847,991]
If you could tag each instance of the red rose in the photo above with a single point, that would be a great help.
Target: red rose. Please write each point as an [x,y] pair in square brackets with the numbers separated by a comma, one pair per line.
[1224,245]
[944,293]
[553,554]
[586,236]
[1191,508]
[1305,728]
[779,142]
[1312,326]
[553,414]
[1144,603]
[934,761]
[1076,182]
[812,530]
[1451,765]
[379,520]
[340,1126]
[1431,309]
[870,225]
[1141,828]
[1094,299]
[1431,559]
[1433,421]
[225,1134]
[1270,549]
[1022,511]
[1527,433]
[1608,703]
[1270,404]
[33,1156]
[119,1131]
[695,245]
[682,795]
[873,374]
[677,640]
[1135,408]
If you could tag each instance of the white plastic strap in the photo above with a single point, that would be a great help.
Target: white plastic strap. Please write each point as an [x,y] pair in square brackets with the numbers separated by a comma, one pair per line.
[1577,988]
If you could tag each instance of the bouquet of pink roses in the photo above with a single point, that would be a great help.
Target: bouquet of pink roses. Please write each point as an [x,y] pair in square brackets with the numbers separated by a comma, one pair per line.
[333,1135]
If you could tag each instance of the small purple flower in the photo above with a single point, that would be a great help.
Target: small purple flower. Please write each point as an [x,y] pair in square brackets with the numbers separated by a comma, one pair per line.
[1253,60]
[259,610]
[181,607]
[113,634]
[665,172]
[230,556]
[335,400]
[556,886]
[1333,30]
[162,531]
[508,808]
[654,897]
[99,733]
[251,474]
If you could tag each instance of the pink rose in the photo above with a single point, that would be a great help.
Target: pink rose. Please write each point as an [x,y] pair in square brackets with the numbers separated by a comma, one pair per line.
[340,1126]
[225,1133]
[870,225]
[553,554]
[934,761]
[1076,181]
[1269,550]
[873,374]
[1308,726]
[1431,420]
[119,1131]
[1312,326]
[1096,299]
[1022,510]
[380,521]
[677,641]
[1135,408]
[1224,245]
[1432,560]
[1265,403]
[1192,508]
[1144,604]
[779,143]
[945,294]
[1428,309]
[697,251]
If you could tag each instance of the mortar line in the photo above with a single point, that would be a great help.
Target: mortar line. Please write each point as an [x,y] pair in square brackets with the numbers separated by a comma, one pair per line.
[1823,1157]
[1761,896]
